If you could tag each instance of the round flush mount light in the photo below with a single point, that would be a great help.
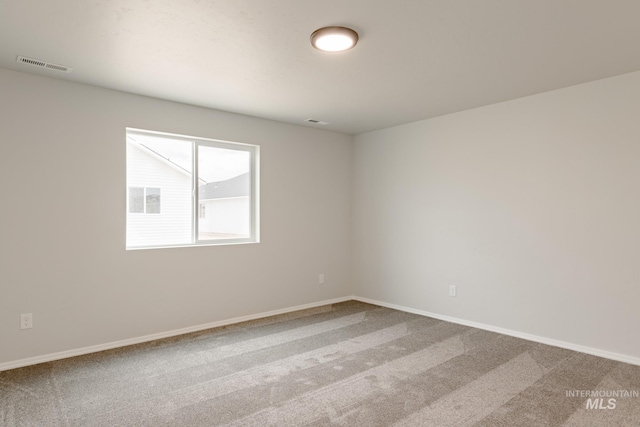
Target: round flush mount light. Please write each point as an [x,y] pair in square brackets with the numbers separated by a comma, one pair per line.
[334,39]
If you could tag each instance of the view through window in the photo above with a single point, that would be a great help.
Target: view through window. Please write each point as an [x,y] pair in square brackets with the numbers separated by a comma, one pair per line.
[185,191]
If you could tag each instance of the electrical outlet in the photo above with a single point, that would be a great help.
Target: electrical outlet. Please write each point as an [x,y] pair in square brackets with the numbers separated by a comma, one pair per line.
[26,321]
[321,279]
[452,290]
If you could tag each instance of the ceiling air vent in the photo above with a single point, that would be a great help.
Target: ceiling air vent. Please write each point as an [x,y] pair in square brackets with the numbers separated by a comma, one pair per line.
[316,122]
[44,64]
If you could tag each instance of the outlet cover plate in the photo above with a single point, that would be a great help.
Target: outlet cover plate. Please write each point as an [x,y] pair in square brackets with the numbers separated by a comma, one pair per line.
[26,321]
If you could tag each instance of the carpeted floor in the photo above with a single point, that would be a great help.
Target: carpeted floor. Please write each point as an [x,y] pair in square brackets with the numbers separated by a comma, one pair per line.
[349,364]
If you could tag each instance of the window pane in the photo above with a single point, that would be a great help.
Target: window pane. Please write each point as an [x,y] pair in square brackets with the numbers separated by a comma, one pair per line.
[224,191]
[163,166]
[153,200]
[136,200]
[190,191]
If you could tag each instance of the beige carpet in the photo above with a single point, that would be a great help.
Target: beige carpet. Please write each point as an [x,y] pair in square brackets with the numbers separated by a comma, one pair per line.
[350,364]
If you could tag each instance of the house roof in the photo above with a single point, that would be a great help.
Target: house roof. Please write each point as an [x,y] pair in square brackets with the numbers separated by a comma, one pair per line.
[158,156]
[237,186]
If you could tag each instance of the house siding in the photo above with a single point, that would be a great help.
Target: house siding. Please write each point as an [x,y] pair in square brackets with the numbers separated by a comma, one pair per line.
[226,216]
[173,224]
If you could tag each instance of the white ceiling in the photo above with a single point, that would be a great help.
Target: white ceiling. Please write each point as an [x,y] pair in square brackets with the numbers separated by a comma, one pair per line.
[416,58]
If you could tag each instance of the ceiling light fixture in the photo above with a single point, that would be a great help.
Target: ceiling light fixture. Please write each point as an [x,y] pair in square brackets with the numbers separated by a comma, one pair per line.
[334,39]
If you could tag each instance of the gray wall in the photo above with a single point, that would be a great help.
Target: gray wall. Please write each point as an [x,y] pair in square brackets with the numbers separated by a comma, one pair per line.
[530,207]
[62,251]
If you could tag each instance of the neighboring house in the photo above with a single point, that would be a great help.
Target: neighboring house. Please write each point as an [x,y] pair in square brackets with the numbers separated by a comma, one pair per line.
[159,202]
[164,216]
[224,208]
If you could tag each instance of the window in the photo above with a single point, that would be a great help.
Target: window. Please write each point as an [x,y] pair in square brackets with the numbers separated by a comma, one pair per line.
[187,191]
[144,200]
[136,199]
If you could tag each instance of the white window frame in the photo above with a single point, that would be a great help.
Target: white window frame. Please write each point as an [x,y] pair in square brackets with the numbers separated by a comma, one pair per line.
[254,190]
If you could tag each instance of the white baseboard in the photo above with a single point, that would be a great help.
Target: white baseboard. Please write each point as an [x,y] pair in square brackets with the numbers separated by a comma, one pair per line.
[529,337]
[138,340]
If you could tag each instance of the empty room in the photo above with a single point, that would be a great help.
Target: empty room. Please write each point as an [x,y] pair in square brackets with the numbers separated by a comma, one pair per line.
[346,213]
